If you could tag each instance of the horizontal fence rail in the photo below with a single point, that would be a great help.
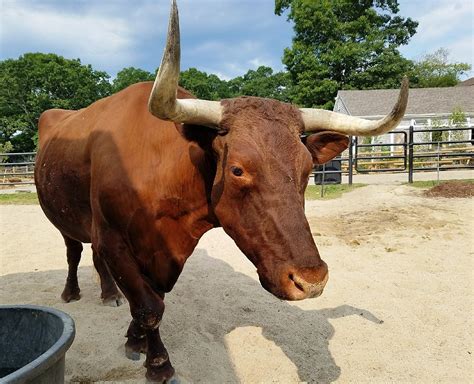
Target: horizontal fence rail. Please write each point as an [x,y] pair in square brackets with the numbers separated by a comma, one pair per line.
[436,158]
[405,154]
[17,168]
[447,148]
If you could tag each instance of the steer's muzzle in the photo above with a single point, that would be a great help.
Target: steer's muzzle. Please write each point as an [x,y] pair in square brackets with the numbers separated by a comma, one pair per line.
[296,283]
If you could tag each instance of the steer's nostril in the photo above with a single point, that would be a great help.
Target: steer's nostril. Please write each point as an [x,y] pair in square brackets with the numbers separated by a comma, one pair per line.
[297,284]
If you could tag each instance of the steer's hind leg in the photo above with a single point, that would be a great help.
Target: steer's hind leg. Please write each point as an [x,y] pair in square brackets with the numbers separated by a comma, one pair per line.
[71,290]
[146,305]
[110,294]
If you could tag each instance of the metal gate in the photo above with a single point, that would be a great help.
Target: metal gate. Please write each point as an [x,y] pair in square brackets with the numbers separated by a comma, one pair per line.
[382,157]
[17,168]
[403,154]
[407,154]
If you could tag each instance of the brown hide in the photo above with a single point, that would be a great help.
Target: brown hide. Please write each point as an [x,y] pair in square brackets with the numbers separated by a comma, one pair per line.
[324,146]
[113,166]
[262,209]
[143,191]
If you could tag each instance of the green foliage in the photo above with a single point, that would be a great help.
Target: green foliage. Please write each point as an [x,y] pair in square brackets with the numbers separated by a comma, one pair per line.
[436,136]
[204,86]
[457,118]
[344,44]
[36,82]
[262,82]
[129,76]
[5,148]
[434,70]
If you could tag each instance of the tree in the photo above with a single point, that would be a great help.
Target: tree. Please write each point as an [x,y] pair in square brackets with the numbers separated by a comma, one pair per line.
[262,82]
[5,148]
[344,44]
[129,76]
[204,86]
[458,118]
[36,82]
[434,70]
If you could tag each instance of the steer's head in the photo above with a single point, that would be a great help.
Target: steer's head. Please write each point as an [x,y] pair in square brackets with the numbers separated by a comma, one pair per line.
[258,193]
[263,168]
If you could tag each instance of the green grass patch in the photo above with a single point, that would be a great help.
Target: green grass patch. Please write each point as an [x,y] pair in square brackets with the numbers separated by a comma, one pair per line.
[313,192]
[433,183]
[19,198]
[331,191]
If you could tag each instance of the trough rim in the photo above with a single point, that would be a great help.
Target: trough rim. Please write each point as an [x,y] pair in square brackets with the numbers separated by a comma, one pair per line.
[52,355]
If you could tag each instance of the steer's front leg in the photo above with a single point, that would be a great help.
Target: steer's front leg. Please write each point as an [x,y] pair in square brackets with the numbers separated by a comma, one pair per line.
[136,341]
[149,341]
[158,366]
[146,305]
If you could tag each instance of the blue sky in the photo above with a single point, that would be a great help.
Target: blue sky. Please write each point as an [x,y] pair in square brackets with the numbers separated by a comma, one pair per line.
[225,37]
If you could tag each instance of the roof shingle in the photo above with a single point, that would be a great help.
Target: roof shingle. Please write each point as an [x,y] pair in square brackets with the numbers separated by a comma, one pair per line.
[421,101]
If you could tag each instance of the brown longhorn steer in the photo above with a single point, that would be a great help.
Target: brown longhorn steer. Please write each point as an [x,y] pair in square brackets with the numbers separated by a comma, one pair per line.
[143,177]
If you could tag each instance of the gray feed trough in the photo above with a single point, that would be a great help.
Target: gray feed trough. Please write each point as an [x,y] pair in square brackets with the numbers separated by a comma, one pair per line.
[33,344]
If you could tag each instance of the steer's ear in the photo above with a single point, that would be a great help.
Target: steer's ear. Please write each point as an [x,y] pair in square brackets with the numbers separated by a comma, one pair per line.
[326,145]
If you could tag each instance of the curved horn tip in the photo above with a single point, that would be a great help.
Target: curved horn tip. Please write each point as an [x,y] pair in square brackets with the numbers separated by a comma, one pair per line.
[317,120]
[405,84]
[400,106]
[163,102]
[405,81]
[174,13]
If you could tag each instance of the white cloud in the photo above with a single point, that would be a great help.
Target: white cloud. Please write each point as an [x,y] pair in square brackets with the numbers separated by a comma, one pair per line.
[91,37]
[224,35]
[227,59]
[462,50]
[442,23]
[446,17]
[258,61]
[225,48]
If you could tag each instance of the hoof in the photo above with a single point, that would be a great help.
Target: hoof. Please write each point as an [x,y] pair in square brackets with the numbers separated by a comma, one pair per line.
[173,380]
[70,296]
[114,301]
[131,354]
[133,348]
[161,375]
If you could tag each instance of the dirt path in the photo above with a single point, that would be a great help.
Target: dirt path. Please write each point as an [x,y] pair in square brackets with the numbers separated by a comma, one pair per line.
[398,306]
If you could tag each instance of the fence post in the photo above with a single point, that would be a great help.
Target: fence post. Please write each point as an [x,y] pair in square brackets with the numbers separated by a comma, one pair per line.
[410,154]
[437,166]
[322,180]
[351,154]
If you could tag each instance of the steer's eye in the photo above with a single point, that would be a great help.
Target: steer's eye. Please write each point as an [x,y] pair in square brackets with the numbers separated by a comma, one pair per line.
[237,171]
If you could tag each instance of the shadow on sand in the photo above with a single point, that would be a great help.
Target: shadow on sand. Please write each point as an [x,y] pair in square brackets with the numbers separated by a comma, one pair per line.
[209,301]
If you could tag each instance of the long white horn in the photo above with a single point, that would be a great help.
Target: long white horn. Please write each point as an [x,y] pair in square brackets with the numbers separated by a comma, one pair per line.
[163,102]
[319,119]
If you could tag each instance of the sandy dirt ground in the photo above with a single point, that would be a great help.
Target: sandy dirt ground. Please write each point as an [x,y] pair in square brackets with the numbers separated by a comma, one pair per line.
[398,306]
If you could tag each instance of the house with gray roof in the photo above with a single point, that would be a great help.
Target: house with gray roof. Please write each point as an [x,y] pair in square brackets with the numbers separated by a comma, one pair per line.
[466,83]
[423,103]
[426,107]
